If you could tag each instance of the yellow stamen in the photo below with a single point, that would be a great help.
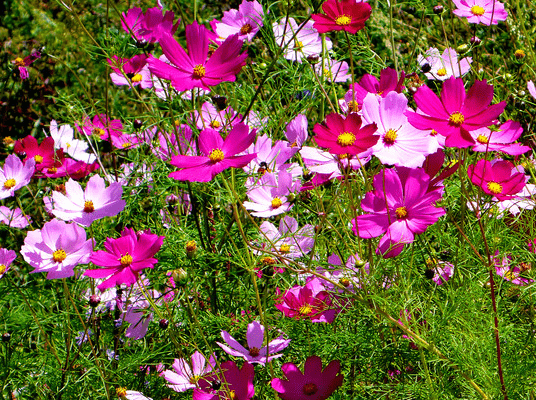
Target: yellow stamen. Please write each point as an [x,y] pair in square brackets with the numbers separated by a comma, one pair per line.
[88,206]
[433,133]
[477,10]
[306,309]
[10,183]
[456,118]
[401,212]
[137,78]
[298,46]
[495,188]
[194,379]
[38,159]
[246,29]
[99,132]
[343,20]
[441,72]
[276,202]
[390,137]
[215,124]
[353,106]
[121,392]
[59,255]
[216,155]
[191,246]
[482,139]
[126,260]
[19,62]
[2,269]
[510,275]
[346,139]
[285,248]
[199,72]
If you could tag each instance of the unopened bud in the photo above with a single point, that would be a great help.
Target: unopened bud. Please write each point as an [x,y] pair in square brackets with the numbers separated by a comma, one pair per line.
[164,323]
[360,263]
[137,124]
[6,337]
[519,53]
[475,40]
[179,276]
[438,9]
[191,248]
[94,300]
[461,48]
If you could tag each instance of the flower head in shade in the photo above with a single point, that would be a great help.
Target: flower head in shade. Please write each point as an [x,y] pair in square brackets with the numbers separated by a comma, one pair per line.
[481,11]
[57,248]
[256,352]
[509,272]
[400,207]
[218,154]
[244,22]
[22,63]
[101,127]
[229,382]
[149,27]
[299,40]
[133,71]
[531,88]
[296,131]
[125,257]
[85,206]
[314,383]
[438,271]
[345,15]
[500,179]
[14,218]
[186,374]
[456,113]
[501,139]
[6,258]
[196,69]
[443,66]
[14,175]
[346,135]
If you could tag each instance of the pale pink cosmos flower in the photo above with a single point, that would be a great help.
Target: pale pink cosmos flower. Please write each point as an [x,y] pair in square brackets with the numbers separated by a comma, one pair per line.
[331,165]
[287,240]
[296,131]
[246,21]
[85,206]
[133,71]
[509,272]
[333,70]
[300,41]
[14,218]
[64,139]
[57,248]
[531,88]
[256,352]
[523,200]
[6,258]
[444,65]
[269,157]
[186,374]
[211,117]
[501,139]
[485,12]
[15,175]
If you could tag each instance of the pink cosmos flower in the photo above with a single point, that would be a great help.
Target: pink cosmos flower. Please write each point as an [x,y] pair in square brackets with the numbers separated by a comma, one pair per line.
[211,117]
[270,194]
[331,166]
[15,175]
[288,240]
[149,27]
[443,66]
[22,63]
[195,69]
[125,257]
[346,135]
[228,382]
[401,206]
[6,258]
[178,141]
[299,41]
[14,218]
[485,12]
[218,154]
[499,179]
[509,272]
[64,139]
[531,88]
[185,375]
[245,22]
[345,15]
[456,113]
[57,248]
[296,131]
[257,353]
[348,275]
[522,200]
[439,271]
[136,71]
[268,157]
[314,383]
[101,127]
[85,206]
[501,139]
[333,70]
[42,153]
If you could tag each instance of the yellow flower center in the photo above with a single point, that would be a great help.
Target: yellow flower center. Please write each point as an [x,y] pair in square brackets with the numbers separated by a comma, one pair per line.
[298,46]
[495,188]
[276,202]
[126,145]
[431,262]
[353,106]
[191,246]
[99,132]
[19,62]
[194,379]
[216,155]
[59,255]
[442,72]
[477,10]
[126,260]
[121,392]
[268,261]
[2,269]
[10,183]
[199,71]
[285,248]
[456,118]
[38,159]
[246,29]
[306,309]
[390,136]
[137,78]
[433,133]
[346,139]
[52,170]
[215,124]
[327,73]
[343,20]
[401,212]
[510,275]
[232,395]
[88,206]
[482,139]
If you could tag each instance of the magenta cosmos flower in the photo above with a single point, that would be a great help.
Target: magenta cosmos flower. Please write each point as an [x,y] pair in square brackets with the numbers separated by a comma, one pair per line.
[22,63]
[229,382]
[501,139]
[256,353]
[185,375]
[345,15]
[125,257]
[15,175]
[42,153]
[245,22]
[313,384]
[485,12]
[509,272]
[218,154]
[456,113]
[85,206]
[345,135]
[133,71]
[57,248]
[195,69]
[6,258]
[401,206]
[149,27]
[499,179]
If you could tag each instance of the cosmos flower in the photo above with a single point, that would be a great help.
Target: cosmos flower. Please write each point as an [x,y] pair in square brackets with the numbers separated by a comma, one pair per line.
[509,272]
[229,382]
[345,15]
[213,118]
[287,240]
[333,70]
[270,195]
[270,156]
[299,41]
[442,66]
[14,218]
[501,139]
[186,374]
[14,175]
[246,21]
[296,131]
[531,88]
[6,258]
[439,271]
[42,154]
[22,63]
[136,71]
[500,178]
[101,127]
[314,383]
[64,139]
[485,12]
[149,27]
[257,353]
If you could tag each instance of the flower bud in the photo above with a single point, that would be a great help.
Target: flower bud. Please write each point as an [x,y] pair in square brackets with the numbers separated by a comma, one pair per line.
[6,337]
[475,40]
[461,48]
[94,300]
[426,68]
[179,276]
[191,249]
[164,323]
[519,53]
[438,9]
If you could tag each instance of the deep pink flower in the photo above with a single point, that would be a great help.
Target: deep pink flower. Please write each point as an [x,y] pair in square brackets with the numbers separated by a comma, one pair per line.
[218,154]
[456,113]
[345,135]
[136,71]
[195,69]
[313,384]
[245,22]
[149,27]
[101,127]
[15,175]
[42,153]
[500,140]
[186,375]
[345,15]
[237,382]
[6,258]
[499,179]
[401,206]
[485,12]
[125,257]
[22,63]
[57,248]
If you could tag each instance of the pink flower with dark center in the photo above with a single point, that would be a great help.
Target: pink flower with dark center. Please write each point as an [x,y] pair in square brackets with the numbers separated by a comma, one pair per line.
[14,218]
[256,352]
[314,383]
[443,66]
[400,207]
[485,12]
[57,248]
[218,154]
[229,382]
[499,179]
[22,63]
[501,139]
[345,15]
[196,69]
[14,175]
[244,22]
[125,257]
[6,258]
[133,71]
[346,135]
[149,27]
[456,113]
[185,375]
